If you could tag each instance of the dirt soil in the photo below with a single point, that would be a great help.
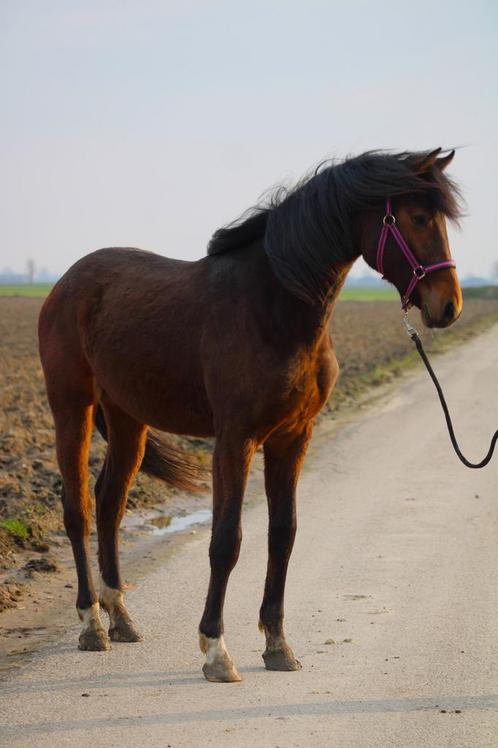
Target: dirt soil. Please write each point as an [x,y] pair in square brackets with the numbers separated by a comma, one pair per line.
[35,562]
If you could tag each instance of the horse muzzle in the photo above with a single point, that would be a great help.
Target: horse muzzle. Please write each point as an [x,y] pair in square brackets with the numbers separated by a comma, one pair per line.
[441,313]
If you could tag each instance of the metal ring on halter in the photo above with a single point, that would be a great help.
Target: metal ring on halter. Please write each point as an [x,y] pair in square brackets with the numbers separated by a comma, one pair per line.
[419,272]
[391,221]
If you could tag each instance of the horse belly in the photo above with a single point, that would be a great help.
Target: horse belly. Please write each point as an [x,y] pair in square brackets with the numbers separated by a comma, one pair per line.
[158,394]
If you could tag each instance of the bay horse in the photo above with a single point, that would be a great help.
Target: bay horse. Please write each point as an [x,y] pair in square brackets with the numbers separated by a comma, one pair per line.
[237,346]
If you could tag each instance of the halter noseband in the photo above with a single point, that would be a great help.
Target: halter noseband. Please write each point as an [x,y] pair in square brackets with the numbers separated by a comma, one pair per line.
[419,271]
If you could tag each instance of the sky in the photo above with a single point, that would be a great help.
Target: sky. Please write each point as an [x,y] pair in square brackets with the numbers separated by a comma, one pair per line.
[151,123]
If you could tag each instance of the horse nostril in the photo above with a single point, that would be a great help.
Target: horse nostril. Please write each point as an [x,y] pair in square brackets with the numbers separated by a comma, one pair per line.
[449,312]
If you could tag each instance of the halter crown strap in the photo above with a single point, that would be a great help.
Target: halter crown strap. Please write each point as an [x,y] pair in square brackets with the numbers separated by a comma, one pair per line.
[419,271]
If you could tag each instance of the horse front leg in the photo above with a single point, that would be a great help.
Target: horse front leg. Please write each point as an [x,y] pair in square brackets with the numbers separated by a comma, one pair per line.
[284,454]
[231,461]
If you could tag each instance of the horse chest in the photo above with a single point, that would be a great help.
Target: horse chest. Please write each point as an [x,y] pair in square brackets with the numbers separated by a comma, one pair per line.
[311,383]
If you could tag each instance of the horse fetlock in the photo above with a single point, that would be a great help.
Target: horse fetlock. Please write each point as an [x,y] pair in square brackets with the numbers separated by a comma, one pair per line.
[274,634]
[93,637]
[122,628]
[111,600]
[219,667]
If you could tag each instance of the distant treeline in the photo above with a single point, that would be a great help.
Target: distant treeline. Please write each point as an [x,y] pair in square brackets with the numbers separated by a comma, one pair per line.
[481,292]
[356,293]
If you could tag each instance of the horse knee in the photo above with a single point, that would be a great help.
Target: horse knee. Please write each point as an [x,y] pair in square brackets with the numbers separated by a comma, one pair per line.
[281,534]
[76,523]
[225,546]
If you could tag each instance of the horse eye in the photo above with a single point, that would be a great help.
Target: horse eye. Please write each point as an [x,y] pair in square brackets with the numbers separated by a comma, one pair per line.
[419,220]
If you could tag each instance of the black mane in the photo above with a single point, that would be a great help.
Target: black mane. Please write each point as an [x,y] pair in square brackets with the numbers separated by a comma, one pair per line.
[247,229]
[308,231]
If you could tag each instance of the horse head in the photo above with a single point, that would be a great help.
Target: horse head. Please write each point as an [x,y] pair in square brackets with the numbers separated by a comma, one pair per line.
[408,243]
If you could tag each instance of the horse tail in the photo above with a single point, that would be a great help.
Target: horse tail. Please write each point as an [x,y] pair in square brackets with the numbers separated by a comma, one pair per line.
[164,460]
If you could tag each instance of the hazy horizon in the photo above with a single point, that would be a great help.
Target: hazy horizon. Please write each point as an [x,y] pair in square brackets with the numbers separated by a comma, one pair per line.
[152,124]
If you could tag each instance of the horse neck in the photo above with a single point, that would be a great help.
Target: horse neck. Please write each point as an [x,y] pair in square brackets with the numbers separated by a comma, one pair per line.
[304,323]
[319,317]
[341,262]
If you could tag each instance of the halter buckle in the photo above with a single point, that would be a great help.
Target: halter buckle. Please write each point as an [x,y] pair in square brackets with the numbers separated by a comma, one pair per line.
[410,330]
[389,219]
[419,272]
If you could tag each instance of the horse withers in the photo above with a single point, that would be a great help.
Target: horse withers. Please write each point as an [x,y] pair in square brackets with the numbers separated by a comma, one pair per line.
[237,346]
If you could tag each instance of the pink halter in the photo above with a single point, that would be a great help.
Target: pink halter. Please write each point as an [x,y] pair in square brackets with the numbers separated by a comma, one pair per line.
[419,271]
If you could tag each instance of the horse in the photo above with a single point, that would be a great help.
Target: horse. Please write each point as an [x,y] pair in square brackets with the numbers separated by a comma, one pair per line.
[234,346]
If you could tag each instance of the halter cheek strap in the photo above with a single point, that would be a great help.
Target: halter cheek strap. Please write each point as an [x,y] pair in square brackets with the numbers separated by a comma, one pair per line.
[419,271]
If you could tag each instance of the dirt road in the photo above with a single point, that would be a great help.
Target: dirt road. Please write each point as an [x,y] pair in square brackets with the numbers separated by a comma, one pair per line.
[392,604]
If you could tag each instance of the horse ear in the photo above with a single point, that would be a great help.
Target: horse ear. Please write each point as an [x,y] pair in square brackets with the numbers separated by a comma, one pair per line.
[445,161]
[424,162]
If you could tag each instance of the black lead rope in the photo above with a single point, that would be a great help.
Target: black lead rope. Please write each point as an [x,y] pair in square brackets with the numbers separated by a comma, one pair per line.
[415,337]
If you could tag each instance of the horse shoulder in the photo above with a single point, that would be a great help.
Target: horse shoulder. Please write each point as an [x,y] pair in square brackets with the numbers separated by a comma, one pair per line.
[327,370]
[311,377]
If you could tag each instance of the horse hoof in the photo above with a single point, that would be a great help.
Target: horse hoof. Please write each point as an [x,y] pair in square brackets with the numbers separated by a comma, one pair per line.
[281,659]
[94,640]
[124,631]
[221,671]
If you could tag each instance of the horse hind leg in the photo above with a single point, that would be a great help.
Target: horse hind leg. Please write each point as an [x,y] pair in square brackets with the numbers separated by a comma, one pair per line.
[123,459]
[73,415]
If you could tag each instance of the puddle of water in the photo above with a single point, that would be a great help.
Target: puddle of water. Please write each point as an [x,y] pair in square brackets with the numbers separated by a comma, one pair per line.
[134,520]
[181,523]
[163,521]
[151,520]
